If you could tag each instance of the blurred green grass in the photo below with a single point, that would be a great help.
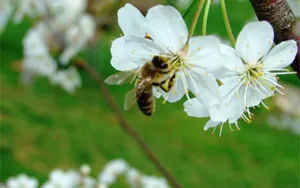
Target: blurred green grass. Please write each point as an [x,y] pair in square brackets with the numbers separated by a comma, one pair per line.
[43,127]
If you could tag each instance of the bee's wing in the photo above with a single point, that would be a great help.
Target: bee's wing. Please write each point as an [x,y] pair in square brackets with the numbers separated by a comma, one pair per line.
[130,99]
[120,78]
[142,85]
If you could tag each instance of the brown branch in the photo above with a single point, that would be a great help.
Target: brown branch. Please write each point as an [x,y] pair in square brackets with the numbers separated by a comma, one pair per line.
[124,124]
[284,22]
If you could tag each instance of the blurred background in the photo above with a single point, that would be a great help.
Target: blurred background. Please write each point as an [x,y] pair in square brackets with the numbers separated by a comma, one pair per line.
[43,127]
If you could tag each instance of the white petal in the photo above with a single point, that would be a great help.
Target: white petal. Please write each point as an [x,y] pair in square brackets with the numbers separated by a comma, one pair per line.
[227,50]
[232,67]
[131,21]
[204,51]
[195,108]
[141,50]
[281,55]
[167,27]
[235,109]
[254,41]
[218,113]
[211,124]
[120,59]
[204,86]
[266,89]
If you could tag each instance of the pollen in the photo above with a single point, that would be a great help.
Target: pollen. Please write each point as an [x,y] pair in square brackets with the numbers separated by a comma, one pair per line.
[198,48]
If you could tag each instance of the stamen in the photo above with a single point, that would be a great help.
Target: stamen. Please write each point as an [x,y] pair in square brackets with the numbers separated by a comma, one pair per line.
[220,133]
[230,126]
[262,102]
[237,126]
[214,130]
[193,82]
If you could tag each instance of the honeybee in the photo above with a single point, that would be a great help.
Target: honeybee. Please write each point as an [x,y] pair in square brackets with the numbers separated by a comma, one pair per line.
[158,73]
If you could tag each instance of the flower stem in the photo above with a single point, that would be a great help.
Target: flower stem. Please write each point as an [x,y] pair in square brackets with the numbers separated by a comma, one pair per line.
[196,18]
[227,23]
[205,17]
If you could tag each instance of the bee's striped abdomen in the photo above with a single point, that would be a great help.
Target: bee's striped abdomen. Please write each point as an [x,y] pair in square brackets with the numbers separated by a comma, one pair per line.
[145,101]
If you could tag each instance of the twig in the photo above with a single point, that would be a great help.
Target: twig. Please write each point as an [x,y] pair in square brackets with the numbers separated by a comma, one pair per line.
[124,124]
[284,22]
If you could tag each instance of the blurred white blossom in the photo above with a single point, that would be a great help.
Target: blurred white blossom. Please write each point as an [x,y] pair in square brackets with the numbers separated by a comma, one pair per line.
[23,181]
[153,182]
[6,9]
[63,30]
[85,169]
[74,179]
[30,8]
[59,178]
[37,59]
[69,79]
[77,36]
[63,13]
[112,170]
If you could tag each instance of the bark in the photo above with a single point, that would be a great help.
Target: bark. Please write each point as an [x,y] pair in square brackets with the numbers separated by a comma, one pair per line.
[284,22]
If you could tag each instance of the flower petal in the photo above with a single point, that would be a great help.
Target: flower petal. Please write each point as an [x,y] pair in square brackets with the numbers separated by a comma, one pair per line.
[131,21]
[120,59]
[195,108]
[211,124]
[167,27]
[141,50]
[281,55]
[254,41]
[204,86]
[204,52]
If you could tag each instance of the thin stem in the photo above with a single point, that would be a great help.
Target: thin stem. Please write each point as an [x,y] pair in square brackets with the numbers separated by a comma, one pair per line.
[227,23]
[125,125]
[196,18]
[205,17]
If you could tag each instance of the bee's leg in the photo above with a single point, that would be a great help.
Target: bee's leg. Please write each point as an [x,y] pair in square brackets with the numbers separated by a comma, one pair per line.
[166,85]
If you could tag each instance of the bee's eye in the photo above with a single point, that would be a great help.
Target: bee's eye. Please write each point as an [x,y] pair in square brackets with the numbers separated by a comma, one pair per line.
[159,63]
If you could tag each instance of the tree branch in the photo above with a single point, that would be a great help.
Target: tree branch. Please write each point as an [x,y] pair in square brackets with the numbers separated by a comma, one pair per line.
[124,124]
[284,22]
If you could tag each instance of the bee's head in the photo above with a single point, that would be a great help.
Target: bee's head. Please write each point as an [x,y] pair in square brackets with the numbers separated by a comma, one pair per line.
[160,62]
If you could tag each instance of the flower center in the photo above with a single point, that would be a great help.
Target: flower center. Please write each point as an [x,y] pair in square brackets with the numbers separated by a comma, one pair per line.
[252,73]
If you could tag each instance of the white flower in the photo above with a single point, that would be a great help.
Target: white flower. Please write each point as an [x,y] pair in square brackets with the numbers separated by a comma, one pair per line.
[249,73]
[131,22]
[87,182]
[166,36]
[64,13]
[252,75]
[85,169]
[77,36]
[59,178]
[31,8]
[6,9]
[37,60]
[153,182]
[23,181]
[112,170]
[68,79]
[133,177]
